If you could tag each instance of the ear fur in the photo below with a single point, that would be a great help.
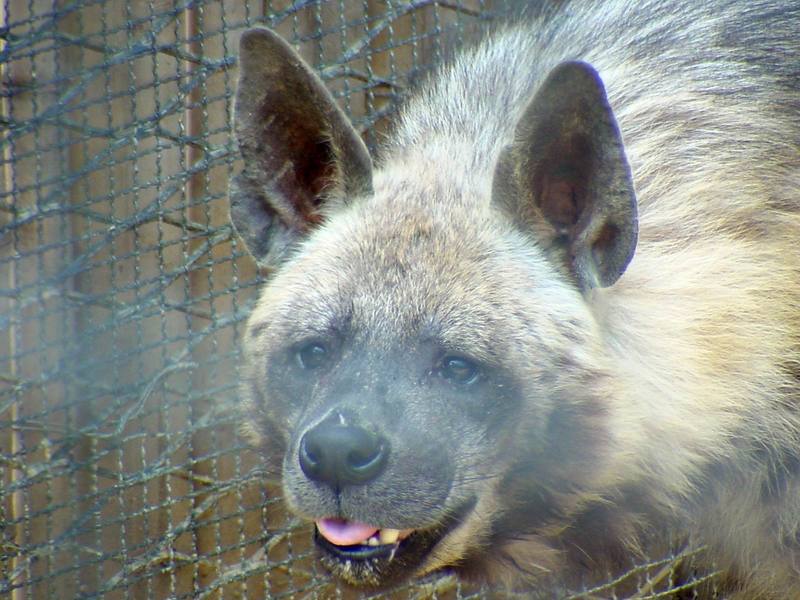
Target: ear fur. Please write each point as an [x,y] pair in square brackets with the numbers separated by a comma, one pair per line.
[299,148]
[566,174]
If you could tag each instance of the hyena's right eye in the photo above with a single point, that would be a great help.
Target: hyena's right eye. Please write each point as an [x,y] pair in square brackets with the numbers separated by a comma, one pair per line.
[312,355]
[460,370]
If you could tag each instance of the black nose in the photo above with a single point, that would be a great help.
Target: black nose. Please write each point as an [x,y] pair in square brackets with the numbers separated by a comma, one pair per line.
[342,455]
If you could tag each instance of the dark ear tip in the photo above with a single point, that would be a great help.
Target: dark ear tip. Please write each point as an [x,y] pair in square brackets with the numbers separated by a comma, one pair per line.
[252,38]
[576,72]
[576,66]
[259,46]
[263,53]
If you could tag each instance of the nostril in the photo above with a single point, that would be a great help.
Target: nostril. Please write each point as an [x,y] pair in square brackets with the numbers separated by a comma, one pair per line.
[310,457]
[364,458]
[312,453]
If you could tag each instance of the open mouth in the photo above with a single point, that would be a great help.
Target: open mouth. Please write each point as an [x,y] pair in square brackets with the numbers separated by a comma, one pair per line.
[367,556]
[351,536]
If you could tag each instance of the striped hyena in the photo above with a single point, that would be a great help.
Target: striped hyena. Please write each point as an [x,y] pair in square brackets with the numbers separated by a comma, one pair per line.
[555,328]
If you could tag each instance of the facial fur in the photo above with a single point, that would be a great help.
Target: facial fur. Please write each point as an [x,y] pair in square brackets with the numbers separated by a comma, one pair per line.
[367,291]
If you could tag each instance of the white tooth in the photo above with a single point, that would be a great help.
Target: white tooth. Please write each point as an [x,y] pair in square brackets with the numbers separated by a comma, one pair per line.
[373,541]
[389,536]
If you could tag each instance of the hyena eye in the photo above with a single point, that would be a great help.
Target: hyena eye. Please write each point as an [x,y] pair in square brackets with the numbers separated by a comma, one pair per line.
[460,370]
[312,355]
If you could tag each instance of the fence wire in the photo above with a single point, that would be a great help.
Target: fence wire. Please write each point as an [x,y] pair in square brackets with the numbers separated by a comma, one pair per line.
[123,291]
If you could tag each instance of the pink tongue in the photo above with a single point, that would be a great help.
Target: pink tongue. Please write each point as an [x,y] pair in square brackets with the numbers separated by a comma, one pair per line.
[343,532]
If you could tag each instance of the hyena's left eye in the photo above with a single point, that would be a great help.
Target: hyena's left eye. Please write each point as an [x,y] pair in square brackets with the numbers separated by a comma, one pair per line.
[460,370]
[312,356]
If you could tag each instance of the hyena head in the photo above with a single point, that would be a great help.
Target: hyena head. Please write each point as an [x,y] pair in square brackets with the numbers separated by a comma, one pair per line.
[422,366]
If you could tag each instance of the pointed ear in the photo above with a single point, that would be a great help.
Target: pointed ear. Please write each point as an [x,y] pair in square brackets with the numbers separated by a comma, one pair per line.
[299,149]
[566,176]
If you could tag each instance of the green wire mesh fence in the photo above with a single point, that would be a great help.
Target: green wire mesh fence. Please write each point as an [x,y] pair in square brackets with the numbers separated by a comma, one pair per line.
[123,290]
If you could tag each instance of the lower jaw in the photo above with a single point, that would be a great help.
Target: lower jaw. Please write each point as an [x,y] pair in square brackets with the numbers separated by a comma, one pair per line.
[385,566]
[376,567]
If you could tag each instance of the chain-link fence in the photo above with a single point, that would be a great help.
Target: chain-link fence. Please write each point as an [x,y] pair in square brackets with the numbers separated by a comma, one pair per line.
[124,291]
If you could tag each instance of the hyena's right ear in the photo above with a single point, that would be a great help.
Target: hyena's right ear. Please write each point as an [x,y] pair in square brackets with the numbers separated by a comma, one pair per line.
[566,177]
[299,149]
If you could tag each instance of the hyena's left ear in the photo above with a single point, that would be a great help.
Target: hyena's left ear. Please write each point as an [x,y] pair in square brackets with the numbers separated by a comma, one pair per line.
[566,176]
[299,148]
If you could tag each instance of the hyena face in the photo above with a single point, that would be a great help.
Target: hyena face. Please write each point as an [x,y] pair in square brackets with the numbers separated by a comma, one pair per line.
[426,379]
[399,384]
